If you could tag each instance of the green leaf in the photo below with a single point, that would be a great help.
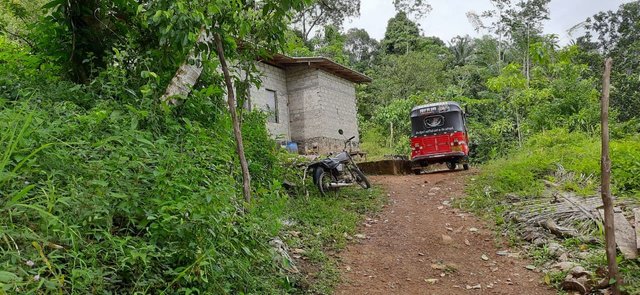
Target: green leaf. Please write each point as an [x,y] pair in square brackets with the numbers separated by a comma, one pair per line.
[8,277]
[99,182]
[53,4]
[145,141]
[17,197]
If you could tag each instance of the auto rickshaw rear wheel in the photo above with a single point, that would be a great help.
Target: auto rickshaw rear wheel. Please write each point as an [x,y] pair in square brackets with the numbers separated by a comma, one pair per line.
[452,165]
[465,166]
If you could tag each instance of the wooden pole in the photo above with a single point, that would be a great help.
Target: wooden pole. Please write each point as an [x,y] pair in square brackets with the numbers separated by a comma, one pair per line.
[607,200]
[391,135]
[231,101]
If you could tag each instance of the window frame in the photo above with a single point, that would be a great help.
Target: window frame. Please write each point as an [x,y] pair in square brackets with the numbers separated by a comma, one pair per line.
[276,111]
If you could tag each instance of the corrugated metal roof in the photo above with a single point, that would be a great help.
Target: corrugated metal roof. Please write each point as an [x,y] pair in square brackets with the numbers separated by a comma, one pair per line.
[323,63]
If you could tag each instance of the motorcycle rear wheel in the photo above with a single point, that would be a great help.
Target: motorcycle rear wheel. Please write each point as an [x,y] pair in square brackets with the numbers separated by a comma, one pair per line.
[323,180]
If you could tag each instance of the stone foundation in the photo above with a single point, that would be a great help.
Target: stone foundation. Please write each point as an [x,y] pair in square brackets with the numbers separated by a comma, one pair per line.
[324,145]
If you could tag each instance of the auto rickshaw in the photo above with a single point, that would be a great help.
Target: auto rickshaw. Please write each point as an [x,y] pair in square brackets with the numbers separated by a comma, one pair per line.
[439,135]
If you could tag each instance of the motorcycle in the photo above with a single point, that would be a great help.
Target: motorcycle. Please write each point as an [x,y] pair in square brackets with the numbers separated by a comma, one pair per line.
[333,173]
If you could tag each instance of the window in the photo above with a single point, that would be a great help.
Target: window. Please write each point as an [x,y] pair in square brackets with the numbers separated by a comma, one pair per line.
[271,106]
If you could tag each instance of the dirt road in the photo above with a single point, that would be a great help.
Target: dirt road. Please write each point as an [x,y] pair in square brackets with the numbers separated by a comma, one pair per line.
[419,244]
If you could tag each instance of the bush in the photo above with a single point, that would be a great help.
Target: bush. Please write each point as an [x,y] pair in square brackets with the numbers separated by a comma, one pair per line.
[522,170]
[95,201]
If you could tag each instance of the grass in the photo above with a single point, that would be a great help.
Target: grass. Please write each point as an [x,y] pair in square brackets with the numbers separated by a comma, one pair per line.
[99,201]
[325,225]
[572,159]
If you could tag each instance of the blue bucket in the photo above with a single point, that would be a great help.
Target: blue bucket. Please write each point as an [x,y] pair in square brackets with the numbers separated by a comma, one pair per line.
[292,147]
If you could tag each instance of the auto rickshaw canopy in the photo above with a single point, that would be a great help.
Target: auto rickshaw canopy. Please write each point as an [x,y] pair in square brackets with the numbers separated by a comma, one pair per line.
[437,118]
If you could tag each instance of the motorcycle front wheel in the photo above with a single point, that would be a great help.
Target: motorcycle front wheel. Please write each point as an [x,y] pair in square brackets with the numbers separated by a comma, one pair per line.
[361,179]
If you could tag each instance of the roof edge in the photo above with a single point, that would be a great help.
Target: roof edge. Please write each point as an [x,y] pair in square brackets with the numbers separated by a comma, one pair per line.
[321,63]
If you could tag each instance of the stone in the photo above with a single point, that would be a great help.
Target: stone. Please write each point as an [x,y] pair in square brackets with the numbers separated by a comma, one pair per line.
[530,267]
[563,257]
[564,266]
[555,249]
[446,239]
[478,286]
[539,241]
[298,251]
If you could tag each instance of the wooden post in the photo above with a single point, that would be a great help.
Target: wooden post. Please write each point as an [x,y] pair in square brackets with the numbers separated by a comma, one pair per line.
[607,200]
[237,132]
[391,135]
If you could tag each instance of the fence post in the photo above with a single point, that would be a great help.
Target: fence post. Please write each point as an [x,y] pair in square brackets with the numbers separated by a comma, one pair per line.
[605,166]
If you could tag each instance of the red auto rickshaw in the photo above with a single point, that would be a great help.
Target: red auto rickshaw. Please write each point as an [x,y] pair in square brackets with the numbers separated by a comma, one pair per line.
[439,135]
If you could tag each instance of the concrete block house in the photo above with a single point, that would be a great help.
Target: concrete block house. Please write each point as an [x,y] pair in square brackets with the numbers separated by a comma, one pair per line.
[308,99]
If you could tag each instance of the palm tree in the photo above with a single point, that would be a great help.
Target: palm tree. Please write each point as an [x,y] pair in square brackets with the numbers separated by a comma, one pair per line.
[463,49]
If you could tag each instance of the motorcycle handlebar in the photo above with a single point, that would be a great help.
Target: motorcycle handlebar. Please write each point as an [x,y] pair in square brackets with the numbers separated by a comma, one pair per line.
[348,140]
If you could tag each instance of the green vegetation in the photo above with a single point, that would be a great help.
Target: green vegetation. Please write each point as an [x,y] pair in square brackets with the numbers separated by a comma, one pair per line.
[106,188]
[534,105]
[325,225]
[112,198]
[576,154]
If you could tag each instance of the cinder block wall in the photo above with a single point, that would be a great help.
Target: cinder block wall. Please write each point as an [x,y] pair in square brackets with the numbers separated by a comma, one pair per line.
[275,79]
[320,104]
[338,98]
[302,85]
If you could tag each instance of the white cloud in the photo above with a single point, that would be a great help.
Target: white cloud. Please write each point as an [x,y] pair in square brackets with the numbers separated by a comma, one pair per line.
[448,17]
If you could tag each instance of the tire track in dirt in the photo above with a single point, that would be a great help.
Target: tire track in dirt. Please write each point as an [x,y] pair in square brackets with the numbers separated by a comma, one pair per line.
[405,252]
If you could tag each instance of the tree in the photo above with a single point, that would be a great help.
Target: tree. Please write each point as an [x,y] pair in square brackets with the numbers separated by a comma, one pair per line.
[325,12]
[415,8]
[82,31]
[360,48]
[401,36]
[520,22]
[330,44]
[260,28]
[463,49]
[616,36]
[399,76]
[17,16]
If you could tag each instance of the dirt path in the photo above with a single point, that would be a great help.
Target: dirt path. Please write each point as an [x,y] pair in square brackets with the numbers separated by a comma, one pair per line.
[405,247]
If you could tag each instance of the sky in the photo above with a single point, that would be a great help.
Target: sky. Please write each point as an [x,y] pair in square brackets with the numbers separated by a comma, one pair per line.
[448,17]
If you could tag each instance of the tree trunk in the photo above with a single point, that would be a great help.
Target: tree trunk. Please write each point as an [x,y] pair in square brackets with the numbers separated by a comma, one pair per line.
[231,101]
[528,57]
[609,228]
[518,128]
[188,73]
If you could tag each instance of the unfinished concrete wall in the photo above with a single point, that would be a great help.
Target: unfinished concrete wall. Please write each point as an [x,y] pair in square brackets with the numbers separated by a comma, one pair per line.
[320,104]
[273,79]
[338,98]
[302,85]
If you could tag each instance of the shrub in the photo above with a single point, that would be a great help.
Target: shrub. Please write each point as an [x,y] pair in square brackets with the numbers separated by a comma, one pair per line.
[95,201]
[522,170]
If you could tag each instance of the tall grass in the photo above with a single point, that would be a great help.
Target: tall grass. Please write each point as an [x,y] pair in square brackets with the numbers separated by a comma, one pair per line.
[577,154]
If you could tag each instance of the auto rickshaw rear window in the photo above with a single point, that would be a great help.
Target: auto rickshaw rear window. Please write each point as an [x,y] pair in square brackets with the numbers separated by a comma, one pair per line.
[437,124]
